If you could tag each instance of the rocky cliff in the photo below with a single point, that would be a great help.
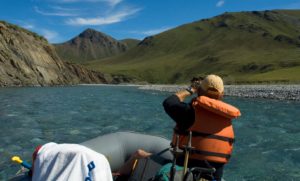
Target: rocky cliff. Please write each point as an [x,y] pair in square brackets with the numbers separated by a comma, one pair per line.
[26,59]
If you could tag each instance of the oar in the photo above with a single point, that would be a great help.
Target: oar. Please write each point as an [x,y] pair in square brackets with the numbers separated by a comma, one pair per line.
[175,153]
[188,147]
[23,163]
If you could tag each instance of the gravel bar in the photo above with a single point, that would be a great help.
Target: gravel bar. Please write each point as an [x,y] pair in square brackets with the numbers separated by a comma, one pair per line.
[280,92]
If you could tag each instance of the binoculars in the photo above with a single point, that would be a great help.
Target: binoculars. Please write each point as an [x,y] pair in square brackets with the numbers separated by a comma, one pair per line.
[196,82]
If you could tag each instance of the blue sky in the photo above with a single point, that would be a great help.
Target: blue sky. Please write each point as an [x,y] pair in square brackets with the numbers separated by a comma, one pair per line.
[61,20]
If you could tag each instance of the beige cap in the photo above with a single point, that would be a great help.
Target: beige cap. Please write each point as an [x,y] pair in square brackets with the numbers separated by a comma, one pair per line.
[213,84]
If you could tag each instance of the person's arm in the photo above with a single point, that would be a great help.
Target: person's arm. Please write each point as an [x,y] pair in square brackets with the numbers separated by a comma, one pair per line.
[184,93]
[129,165]
[182,113]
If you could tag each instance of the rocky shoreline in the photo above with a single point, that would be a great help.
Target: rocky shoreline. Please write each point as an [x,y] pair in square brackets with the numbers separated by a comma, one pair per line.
[279,92]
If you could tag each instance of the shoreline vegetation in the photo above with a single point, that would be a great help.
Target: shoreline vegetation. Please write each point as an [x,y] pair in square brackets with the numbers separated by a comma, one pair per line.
[279,92]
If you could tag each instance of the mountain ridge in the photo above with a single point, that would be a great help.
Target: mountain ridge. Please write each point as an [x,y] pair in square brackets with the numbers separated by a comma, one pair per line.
[130,42]
[243,47]
[89,45]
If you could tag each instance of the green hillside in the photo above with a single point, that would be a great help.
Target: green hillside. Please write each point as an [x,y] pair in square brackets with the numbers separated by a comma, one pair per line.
[244,47]
[130,42]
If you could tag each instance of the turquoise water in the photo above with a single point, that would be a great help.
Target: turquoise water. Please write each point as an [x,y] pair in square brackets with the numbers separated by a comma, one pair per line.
[267,134]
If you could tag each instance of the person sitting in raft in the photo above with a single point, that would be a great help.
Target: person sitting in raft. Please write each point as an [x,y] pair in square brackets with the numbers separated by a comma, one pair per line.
[124,172]
[209,121]
[54,161]
[63,162]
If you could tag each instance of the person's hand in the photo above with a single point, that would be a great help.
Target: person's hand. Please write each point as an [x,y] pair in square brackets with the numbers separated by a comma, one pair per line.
[141,154]
[196,83]
[191,90]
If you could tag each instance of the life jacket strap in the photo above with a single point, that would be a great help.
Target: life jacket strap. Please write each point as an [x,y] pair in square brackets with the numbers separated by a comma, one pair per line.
[208,153]
[206,135]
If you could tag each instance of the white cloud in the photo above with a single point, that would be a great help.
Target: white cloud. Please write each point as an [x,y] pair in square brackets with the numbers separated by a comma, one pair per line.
[68,1]
[63,9]
[220,3]
[55,13]
[150,31]
[113,2]
[110,2]
[49,35]
[155,31]
[114,18]
[28,26]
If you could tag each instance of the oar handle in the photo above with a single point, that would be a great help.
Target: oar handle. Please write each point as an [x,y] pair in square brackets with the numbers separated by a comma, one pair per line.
[26,165]
[187,154]
[21,162]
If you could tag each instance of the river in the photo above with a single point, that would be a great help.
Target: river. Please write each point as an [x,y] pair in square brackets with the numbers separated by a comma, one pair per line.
[267,143]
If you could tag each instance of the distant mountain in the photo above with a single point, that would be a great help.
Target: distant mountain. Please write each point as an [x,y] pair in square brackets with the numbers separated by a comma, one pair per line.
[130,42]
[243,47]
[26,59]
[89,45]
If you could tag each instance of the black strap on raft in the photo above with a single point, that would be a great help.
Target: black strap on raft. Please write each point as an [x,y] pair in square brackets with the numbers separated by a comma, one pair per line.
[206,135]
[163,151]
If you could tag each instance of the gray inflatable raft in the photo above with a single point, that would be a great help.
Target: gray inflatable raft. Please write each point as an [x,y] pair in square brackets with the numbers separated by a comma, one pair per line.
[118,147]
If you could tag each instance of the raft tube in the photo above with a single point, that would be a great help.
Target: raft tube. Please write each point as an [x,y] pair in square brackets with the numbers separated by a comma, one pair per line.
[119,146]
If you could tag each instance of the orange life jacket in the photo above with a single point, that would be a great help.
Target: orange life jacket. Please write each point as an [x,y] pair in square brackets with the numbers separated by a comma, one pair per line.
[212,131]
